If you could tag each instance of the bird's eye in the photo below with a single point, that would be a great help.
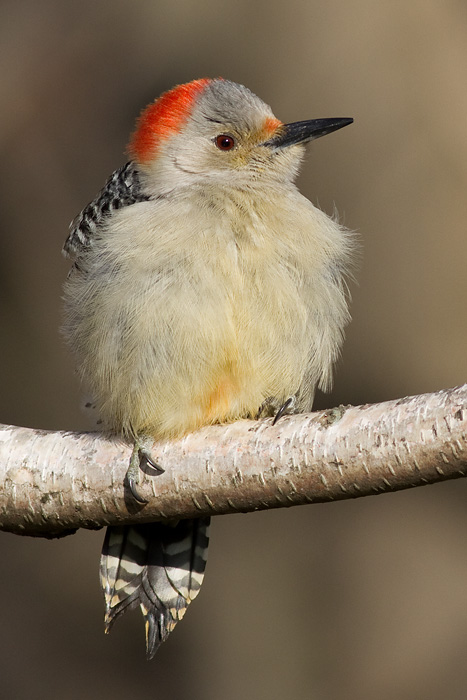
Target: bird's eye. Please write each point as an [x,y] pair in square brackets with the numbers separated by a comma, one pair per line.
[225,142]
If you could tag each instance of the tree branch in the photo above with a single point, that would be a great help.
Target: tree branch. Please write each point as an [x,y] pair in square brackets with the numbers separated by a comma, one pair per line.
[55,482]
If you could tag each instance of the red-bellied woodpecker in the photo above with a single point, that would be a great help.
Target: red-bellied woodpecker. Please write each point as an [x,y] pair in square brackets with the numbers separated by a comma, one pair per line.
[205,289]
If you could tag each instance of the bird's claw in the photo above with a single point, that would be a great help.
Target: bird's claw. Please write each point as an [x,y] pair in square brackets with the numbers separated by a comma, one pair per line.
[283,410]
[147,457]
[140,453]
[131,483]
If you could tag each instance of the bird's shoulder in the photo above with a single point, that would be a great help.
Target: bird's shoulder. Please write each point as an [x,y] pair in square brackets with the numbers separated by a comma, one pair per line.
[122,189]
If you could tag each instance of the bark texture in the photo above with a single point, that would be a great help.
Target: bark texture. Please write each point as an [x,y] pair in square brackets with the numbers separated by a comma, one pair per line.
[55,482]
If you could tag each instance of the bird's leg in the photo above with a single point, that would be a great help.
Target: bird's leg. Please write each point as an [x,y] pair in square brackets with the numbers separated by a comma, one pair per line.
[141,454]
[287,407]
[268,408]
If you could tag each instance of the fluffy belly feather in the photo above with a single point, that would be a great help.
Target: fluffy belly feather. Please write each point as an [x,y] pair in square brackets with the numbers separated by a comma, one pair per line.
[213,327]
[171,367]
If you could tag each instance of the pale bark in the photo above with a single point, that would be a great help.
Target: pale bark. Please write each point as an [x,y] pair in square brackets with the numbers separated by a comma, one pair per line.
[54,482]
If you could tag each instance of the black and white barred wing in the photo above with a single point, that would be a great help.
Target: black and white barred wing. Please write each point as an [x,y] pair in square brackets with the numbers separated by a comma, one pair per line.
[122,189]
[159,567]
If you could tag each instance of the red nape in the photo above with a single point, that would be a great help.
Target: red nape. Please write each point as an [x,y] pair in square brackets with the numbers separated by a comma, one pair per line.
[162,118]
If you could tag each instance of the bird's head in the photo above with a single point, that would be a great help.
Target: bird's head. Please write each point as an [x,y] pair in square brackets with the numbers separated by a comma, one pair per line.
[219,131]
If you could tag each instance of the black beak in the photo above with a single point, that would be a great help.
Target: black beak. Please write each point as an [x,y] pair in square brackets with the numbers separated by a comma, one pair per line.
[302,132]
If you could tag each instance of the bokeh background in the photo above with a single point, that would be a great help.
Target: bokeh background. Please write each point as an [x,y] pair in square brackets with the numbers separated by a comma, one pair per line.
[355,600]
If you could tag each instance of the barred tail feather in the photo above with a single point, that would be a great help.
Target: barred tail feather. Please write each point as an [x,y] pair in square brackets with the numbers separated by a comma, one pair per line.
[159,567]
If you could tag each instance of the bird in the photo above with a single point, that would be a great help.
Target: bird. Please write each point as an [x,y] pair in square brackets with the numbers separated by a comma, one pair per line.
[204,288]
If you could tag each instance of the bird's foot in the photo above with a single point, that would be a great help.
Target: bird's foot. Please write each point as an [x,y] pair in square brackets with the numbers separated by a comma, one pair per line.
[268,408]
[141,455]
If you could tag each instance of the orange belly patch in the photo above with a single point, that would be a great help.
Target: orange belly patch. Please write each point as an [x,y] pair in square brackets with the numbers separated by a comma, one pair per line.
[219,403]
[231,395]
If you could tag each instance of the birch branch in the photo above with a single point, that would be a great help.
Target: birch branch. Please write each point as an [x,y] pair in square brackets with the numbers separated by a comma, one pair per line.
[55,482]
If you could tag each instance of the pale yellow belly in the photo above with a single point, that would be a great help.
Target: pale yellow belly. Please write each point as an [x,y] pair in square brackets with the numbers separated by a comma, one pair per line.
[185,335]
[214,369]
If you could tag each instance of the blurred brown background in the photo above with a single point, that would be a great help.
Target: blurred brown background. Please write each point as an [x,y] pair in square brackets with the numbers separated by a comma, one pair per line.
[356,600]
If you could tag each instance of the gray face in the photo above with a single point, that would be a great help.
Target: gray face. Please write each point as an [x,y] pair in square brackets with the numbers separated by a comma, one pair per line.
[225,139]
